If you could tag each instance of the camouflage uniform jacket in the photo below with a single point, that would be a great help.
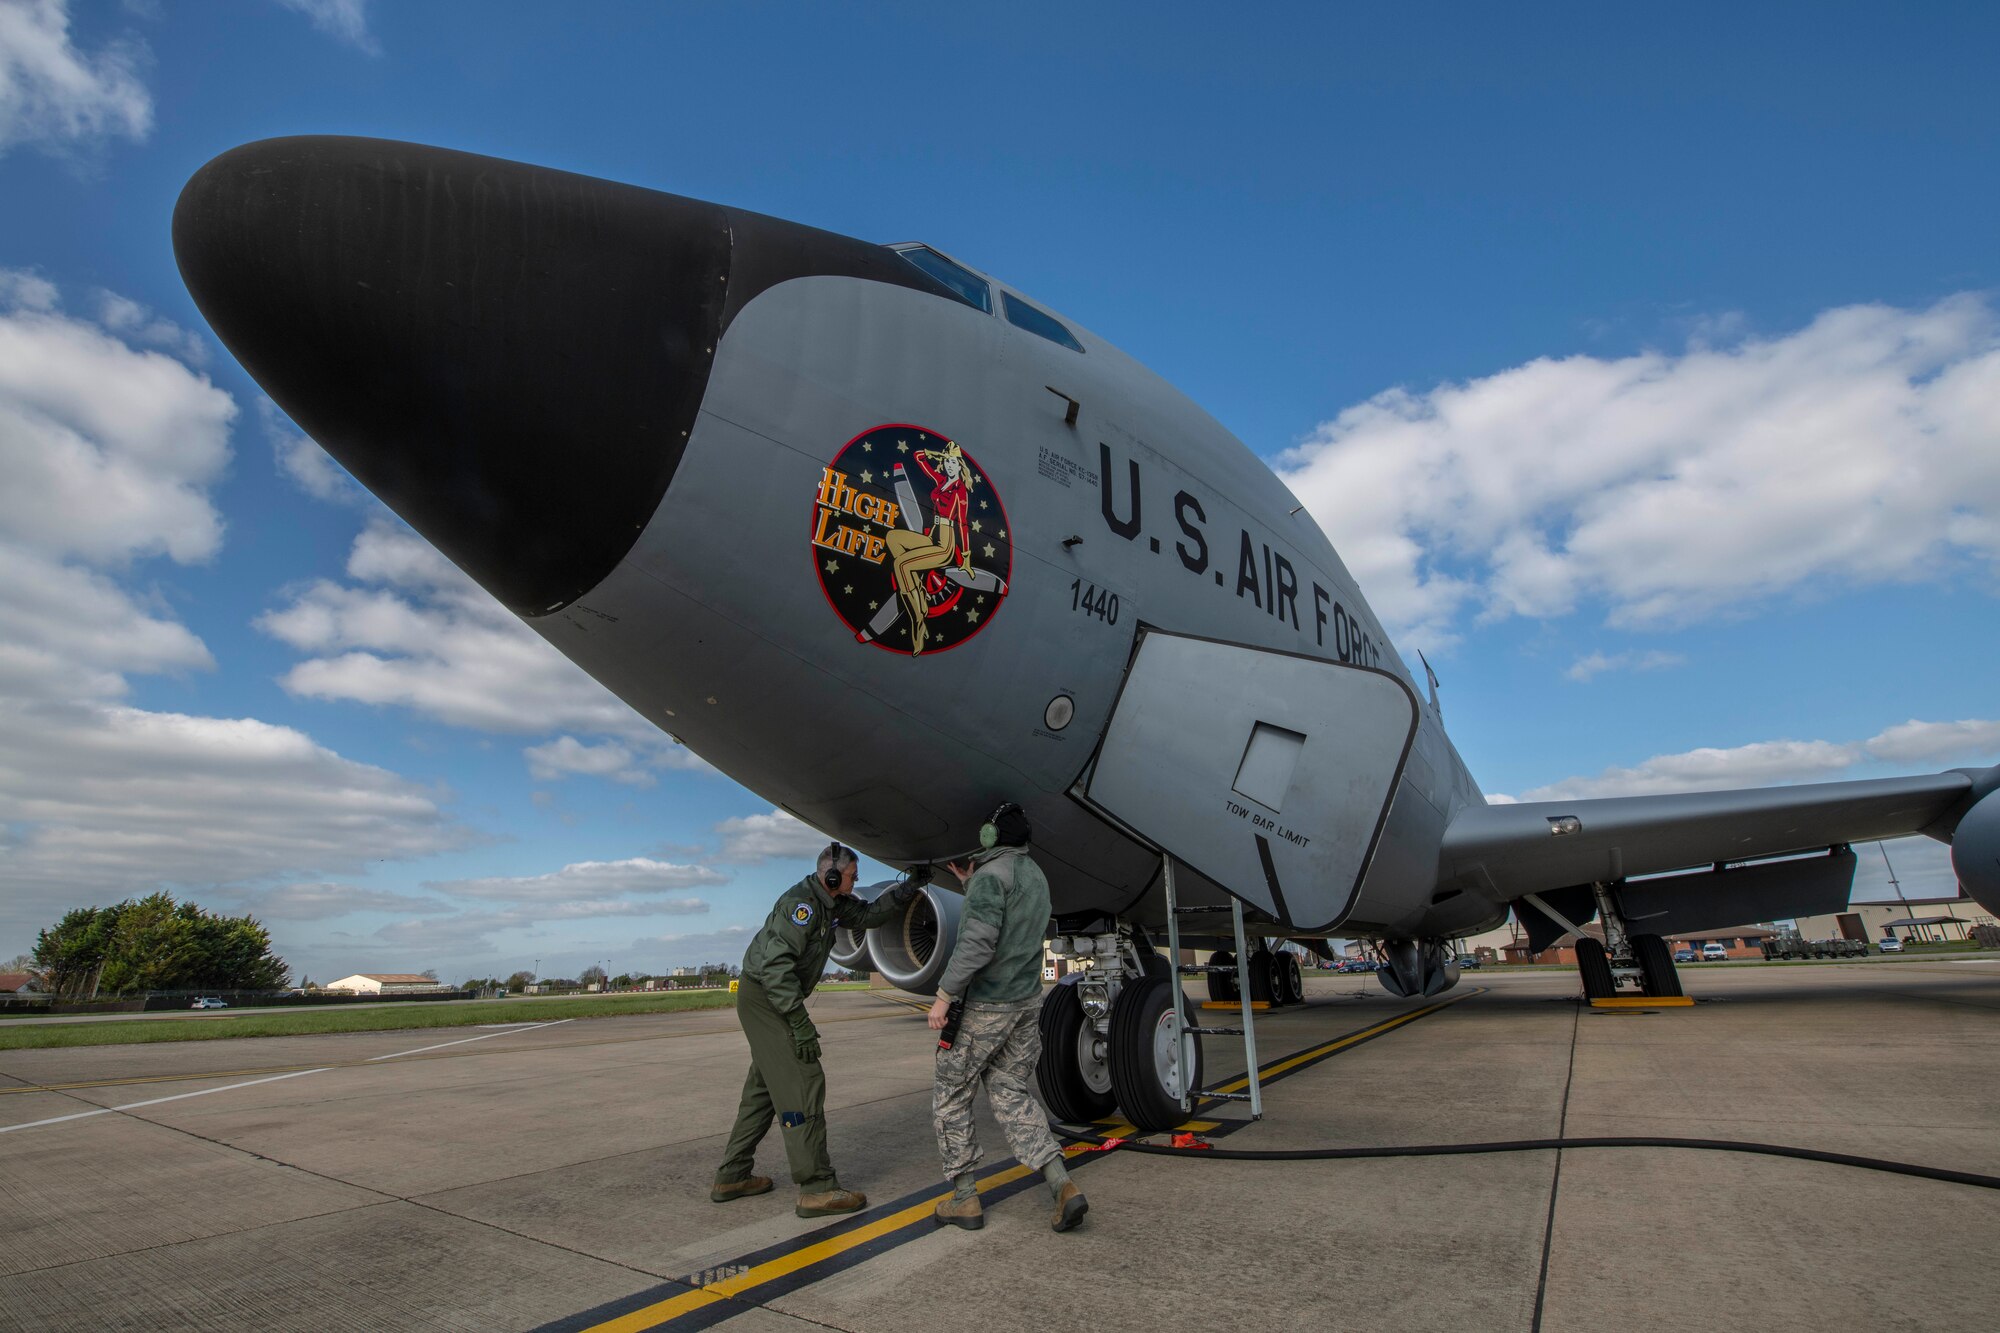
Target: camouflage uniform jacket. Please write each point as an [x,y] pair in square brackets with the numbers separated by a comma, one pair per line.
[789,954]
[997,962]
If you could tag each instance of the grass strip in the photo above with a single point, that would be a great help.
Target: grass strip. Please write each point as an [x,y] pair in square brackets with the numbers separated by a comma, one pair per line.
[394,1018]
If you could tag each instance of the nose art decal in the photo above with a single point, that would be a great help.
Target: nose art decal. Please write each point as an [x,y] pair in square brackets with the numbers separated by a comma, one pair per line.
[910,540]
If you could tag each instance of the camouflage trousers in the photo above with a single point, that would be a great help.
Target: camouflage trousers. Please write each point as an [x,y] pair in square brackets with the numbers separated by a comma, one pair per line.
[996,1048]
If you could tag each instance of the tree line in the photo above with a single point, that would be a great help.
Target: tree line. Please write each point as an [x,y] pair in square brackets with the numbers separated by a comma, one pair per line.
[155,944]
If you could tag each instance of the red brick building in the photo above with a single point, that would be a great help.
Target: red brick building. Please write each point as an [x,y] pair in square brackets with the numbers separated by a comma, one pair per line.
[1740,941]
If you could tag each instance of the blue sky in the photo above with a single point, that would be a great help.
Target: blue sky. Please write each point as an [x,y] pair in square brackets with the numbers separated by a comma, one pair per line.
[1644,367]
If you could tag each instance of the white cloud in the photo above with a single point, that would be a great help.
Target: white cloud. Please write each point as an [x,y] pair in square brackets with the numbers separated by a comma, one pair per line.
[1915,742]
[600,880]
[55,97]
[566,755]
[309,467]
[1859,449]
[748,839]
[468,935]
[108,453]
[108,450]
[114,800]
[26,291]
[414,632]
[321,901]
[346,20]
[713,946]
[1760,764]
[1770,763]
[1597,663]
[135,323]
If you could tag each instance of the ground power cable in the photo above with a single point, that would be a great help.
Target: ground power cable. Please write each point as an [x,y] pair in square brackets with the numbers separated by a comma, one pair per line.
[1537,1145]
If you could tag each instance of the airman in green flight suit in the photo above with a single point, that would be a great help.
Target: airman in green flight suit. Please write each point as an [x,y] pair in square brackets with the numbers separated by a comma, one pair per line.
[780,969]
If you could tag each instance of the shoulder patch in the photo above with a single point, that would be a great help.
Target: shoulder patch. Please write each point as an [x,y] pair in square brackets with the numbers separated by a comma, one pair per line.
[802,915]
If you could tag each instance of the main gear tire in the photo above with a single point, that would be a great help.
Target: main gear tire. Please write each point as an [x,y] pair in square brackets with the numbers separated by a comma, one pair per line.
[1295,979]
[1076,1087]
[1656,966]
[1262,975]
[1593,964]
[1147,1071]
[1222,985]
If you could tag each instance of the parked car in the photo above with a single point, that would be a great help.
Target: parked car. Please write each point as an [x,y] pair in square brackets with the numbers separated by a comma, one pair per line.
[1891,946]
[1468,961]
[209,1002]
[1684,956]
[1714,953]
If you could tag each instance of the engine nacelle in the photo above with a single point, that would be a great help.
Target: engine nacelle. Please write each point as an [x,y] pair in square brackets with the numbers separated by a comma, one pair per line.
[1417,967]
[911,950]
[1975,852]
[850,947]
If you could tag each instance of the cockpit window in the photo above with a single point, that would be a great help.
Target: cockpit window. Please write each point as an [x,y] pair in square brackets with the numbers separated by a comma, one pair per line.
[1022,315]
[966,285]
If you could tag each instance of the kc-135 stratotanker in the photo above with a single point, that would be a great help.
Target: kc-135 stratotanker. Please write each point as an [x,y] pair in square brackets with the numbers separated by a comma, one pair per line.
[889,542]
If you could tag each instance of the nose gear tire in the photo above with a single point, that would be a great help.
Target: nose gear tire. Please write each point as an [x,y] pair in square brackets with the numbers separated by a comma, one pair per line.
[1142,1057]
[1067,1093]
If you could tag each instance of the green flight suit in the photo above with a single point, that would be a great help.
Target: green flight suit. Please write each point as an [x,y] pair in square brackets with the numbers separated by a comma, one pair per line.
[781,968]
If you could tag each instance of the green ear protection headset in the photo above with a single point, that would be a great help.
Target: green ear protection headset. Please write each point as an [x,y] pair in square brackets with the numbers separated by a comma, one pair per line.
[988,833]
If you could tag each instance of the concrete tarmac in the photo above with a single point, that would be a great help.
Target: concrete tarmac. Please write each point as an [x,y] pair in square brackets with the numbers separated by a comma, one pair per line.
[555,1176]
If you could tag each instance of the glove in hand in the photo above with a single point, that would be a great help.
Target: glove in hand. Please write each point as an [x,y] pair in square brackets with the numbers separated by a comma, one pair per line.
[805,1037]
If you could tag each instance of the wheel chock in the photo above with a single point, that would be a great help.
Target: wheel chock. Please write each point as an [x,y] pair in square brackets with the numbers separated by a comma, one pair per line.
[1645,1002]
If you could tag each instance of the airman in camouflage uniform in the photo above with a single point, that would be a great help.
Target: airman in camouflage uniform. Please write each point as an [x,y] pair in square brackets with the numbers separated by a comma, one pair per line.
[996,972]
[780,969]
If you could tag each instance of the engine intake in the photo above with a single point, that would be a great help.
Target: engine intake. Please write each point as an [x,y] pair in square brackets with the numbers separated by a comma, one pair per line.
[912,949]
[850,947]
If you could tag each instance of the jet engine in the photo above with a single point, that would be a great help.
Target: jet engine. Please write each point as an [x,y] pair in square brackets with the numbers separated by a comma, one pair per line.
[1417,967]
[911,949]
[850,947]
[1975,852]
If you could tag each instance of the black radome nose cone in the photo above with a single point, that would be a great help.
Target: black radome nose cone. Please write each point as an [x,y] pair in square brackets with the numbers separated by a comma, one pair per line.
[510,357]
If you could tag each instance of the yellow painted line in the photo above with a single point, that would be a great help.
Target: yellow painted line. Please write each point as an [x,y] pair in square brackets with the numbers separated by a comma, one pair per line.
[675,1306]
[1642,1002]
[1316,1052]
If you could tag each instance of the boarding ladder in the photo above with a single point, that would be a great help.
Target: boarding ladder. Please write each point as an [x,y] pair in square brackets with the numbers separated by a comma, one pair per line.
[1189,1095]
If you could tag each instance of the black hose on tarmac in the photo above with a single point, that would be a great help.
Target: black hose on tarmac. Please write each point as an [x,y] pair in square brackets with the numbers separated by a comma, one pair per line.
[1540,1145]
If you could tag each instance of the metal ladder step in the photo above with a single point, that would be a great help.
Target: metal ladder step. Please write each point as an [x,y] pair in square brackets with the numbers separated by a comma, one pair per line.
[1197,910]
[1228,1097]
[1201,969]
[1216,1032]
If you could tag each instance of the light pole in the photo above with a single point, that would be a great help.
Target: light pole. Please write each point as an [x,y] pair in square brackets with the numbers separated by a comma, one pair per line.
[1896,884]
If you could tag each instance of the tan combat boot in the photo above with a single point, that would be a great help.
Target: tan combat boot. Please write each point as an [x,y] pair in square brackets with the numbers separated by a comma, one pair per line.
[1070,1207]
[828,1202]
[959,1212]
[725,1190]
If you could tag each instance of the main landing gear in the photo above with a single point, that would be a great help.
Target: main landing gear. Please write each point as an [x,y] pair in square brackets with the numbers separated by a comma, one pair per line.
[1623,958]
[1108,1039]
[1276,977]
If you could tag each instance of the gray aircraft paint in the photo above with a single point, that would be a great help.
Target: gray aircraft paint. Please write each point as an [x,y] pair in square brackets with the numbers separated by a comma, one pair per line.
[899,755]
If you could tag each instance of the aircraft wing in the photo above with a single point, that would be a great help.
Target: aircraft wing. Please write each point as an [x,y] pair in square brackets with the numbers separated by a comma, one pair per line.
[1547,846]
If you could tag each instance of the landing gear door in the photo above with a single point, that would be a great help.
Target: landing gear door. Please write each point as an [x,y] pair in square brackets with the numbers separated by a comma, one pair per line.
[1267,772]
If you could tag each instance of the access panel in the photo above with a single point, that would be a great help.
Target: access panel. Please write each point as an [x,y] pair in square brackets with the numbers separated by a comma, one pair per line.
[1267,772]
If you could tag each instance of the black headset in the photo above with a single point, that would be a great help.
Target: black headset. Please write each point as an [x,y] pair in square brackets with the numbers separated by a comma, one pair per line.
[832,876]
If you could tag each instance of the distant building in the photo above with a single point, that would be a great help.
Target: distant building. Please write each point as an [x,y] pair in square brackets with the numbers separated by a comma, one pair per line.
[1906,919]
[387,983]
[1739,941]
[22,983]
[687,972]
